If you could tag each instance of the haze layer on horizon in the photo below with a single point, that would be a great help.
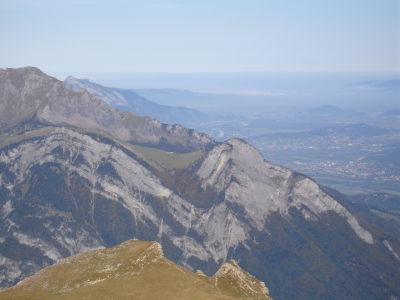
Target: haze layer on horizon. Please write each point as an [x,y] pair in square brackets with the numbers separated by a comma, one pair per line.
[259,91]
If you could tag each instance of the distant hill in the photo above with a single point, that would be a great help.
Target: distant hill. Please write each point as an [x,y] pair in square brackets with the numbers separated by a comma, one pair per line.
[213,104]
[173,97]
[134,270]
[129,100]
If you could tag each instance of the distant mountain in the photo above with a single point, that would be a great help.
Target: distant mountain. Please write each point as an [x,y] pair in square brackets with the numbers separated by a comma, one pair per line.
[213,104]
[174,97]
[382,84]
[134,270]
[29,95]
[128,100]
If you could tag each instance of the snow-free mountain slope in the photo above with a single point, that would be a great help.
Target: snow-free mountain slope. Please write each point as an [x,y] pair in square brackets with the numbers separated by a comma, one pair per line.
[64,192]
[27,94]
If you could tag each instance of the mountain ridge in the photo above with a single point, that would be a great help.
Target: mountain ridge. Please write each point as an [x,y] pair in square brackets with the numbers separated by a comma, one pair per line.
[29,94]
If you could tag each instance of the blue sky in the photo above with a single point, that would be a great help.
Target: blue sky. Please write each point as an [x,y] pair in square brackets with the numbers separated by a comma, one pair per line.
[201,36]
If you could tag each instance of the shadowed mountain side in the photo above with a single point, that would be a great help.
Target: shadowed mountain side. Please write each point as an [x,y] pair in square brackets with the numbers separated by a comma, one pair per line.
[134,270]
[28,95]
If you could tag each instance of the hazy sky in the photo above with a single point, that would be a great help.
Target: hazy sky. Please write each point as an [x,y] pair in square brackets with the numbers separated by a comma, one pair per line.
[201,36]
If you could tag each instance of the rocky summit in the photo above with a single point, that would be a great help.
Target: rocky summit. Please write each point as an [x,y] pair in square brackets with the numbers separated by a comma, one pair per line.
[134,270]
[71,181]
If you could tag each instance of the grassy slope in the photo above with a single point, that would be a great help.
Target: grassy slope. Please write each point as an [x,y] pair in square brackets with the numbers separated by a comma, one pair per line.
[132,270]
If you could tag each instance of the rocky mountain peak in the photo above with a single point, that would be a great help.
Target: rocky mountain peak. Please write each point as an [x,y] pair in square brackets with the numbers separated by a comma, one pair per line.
[261,187]
[26,71]
[246,284]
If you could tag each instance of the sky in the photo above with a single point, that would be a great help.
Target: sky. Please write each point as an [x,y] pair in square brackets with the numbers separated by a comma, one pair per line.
[204,36]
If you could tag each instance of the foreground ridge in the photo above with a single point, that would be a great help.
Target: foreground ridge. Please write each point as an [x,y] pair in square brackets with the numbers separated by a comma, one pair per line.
[134,269]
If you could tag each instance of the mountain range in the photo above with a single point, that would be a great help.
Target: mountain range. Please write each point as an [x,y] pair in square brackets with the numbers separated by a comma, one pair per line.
[69,183]
[129,100]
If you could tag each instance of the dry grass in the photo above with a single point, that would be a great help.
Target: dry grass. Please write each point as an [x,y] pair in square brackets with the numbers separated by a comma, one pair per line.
[133,270]
[159,159]
[6,140]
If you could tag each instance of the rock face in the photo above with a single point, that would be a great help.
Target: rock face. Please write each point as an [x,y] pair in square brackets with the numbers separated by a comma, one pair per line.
[136,270]
[128,100]
[27,94]
[231,279]
[63,192]
[239,170]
